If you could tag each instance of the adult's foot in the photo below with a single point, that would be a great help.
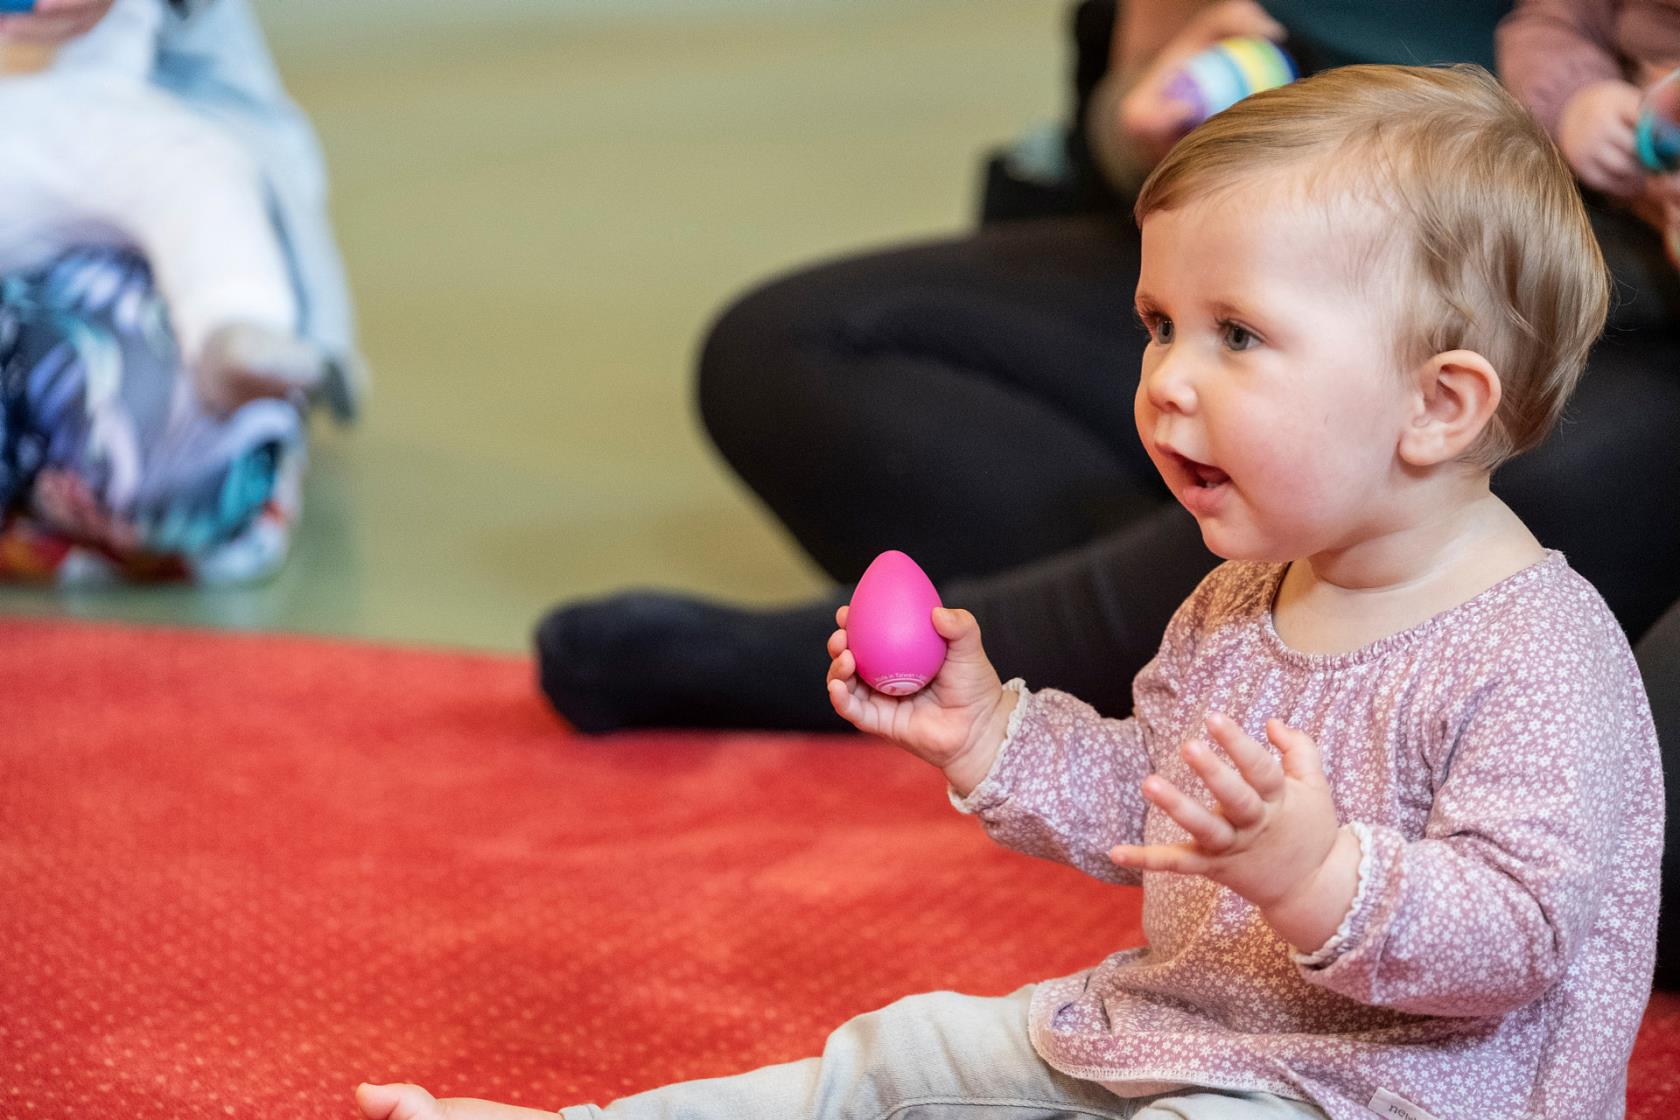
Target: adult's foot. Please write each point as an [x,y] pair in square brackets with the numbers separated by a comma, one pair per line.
[649,659]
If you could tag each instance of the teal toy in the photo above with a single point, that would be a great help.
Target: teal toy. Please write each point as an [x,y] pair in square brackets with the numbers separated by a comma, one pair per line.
[1656,137]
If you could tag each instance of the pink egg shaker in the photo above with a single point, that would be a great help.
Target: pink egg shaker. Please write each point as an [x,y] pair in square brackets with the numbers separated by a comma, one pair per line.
[889,629]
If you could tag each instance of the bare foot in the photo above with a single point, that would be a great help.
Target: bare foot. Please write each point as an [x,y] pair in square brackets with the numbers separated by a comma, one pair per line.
[411,1102]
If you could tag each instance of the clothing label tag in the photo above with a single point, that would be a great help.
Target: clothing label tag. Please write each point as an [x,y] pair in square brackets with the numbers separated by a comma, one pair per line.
[1387,1104]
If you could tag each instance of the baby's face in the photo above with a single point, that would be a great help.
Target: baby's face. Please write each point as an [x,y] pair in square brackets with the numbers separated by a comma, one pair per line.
[1270,398]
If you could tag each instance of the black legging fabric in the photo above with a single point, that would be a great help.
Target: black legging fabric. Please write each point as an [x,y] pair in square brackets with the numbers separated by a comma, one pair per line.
[969,402]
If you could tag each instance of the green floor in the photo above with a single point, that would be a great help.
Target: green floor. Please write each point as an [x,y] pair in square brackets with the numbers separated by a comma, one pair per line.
[541,208]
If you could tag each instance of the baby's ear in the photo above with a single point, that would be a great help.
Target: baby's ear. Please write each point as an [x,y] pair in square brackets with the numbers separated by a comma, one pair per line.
[1455,394]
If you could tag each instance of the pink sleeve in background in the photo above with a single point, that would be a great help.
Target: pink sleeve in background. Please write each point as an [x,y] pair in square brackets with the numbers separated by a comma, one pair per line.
[1548,49]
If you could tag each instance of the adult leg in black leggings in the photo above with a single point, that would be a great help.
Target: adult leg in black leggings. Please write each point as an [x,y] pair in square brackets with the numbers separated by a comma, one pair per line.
[968,401]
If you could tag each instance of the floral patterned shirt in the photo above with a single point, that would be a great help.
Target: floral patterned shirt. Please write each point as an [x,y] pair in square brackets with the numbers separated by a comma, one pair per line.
[1500,770]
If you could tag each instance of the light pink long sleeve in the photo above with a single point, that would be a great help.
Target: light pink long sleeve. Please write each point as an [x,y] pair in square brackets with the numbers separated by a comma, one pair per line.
[1549,49]
[1499,766]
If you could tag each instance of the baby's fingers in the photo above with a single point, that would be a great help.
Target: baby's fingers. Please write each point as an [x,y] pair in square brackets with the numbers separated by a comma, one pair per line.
[850,697]
[843,667]
[862,707]
[958,627]
[837,643]
[850,700]
[1210,831]
[1238,802]
[1178,859]
[1301,756]
[846,701]
[1253,761]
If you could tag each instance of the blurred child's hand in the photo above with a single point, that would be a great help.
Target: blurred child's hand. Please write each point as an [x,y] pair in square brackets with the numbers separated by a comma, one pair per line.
[956,723]
[1595,133]
[1272,836]
[1150,121]
[54,21]
[1660,205]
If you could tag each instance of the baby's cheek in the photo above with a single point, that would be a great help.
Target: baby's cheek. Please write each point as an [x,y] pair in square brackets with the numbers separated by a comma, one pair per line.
[1290,471]
[1296,495]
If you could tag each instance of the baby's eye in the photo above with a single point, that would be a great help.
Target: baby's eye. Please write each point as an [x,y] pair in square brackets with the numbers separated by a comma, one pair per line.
[1237,337]
[1160,328]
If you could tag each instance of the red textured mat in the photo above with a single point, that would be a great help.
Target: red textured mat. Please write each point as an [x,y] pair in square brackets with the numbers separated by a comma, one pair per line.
[239,874]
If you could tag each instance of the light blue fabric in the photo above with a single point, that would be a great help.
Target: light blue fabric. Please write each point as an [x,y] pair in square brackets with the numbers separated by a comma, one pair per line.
[940,1056]
[215,59]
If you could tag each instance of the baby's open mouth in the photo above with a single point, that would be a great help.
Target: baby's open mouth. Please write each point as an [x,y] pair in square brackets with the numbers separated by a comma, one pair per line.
[1202,474]
[1208,476]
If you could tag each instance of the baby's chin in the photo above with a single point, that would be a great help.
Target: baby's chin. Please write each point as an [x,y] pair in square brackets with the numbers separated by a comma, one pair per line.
[1244,547]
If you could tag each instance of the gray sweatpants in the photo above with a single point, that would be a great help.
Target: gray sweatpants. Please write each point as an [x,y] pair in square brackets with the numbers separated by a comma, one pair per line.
[930,1057]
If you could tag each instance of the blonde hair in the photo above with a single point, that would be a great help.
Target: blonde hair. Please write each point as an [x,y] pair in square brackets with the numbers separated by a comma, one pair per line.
[1497,253]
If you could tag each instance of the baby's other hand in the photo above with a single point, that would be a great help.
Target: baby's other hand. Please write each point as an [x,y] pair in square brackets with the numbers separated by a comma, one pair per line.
[956,723]
[1271,835]
[1595,134]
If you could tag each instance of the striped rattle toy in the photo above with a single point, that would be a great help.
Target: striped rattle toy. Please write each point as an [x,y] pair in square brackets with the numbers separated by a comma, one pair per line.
[1227,72]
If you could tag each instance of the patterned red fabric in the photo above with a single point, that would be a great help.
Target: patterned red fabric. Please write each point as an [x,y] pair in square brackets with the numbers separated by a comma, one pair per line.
[240,874]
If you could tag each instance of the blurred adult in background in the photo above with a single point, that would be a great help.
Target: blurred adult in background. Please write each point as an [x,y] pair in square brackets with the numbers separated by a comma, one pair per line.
[968,401]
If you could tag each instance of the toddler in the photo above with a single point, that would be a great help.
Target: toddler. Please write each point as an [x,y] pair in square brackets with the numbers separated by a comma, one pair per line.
[1579,66]
[156,176]
[1390,784]
[95,154]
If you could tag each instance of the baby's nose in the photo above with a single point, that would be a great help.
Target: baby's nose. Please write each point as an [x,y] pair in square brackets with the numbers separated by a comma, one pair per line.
[1169,384]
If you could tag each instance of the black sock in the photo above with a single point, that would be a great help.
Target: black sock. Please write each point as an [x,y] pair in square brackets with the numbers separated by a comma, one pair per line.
[650,659]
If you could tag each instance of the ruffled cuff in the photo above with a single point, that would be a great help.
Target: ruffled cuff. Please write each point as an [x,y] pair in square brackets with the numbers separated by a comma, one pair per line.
[989,791]
[1332,948]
